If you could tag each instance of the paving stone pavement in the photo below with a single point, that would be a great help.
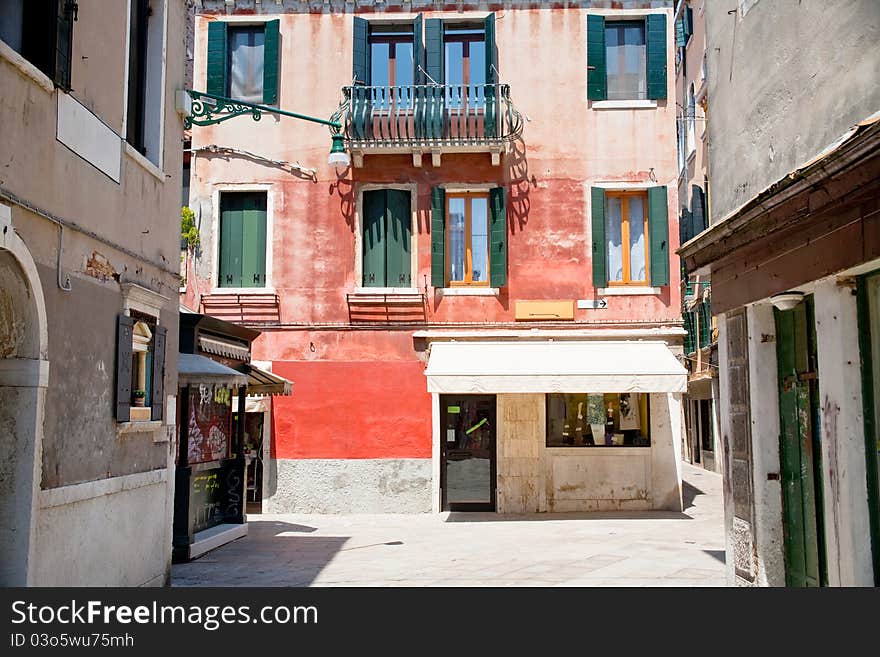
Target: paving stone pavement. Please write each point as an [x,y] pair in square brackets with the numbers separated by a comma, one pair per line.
[478,549]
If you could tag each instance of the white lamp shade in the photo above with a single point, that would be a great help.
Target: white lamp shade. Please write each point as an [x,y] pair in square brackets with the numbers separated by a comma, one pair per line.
[339,160]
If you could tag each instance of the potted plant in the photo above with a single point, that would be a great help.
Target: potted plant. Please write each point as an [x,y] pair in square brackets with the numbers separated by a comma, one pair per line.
[138,397]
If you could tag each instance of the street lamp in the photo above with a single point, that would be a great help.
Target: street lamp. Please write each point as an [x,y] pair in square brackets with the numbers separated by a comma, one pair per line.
[338,157]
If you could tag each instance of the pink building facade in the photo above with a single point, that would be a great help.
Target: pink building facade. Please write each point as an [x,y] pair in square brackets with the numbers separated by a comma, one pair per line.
[483,310]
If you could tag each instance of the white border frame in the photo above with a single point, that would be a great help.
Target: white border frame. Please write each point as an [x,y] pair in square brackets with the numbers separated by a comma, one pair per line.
[271,192]
[413,189]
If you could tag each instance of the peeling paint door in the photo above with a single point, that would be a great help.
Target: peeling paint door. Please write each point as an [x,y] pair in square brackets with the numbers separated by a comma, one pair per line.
[467,452]
[800,453]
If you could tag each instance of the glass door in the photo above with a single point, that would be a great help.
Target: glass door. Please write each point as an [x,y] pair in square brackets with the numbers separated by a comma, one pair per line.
[467,452]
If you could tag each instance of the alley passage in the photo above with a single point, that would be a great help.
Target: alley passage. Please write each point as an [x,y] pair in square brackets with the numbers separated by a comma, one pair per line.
[478,549]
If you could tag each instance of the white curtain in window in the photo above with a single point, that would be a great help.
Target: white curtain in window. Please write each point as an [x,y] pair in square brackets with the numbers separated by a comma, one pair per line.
[246,69]
[614,239]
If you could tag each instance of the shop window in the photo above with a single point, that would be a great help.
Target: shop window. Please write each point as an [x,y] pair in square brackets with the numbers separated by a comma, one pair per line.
[140,368]
[387,236]
[630,237]
[242,240]
[41,31]
[626,60]
[143,128]
[468,238]
[598,420]
[242,61]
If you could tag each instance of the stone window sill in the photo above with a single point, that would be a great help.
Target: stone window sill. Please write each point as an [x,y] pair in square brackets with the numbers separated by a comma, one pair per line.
[624,104]
[628,291]
[468,291]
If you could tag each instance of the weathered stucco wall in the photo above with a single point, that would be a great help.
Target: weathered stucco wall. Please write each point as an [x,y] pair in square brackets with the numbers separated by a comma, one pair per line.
[314,223]
[349,486]
[785,81]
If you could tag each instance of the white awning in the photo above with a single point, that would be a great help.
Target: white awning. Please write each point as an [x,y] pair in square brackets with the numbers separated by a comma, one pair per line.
[563,366]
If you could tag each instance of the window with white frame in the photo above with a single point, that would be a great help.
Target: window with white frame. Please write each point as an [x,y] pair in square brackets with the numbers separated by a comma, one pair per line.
[146,35]
[41,31]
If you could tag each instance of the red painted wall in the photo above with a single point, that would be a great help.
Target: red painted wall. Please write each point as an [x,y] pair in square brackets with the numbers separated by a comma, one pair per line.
[352,410]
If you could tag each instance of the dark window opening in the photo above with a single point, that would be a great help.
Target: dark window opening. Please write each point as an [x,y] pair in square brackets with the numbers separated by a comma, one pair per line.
[41,31]
[137,75]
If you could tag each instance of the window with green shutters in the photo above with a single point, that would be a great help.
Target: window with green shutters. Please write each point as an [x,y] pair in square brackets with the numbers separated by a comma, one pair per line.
[242,240]
[469,238]
[619,237]
[387,238]
[705,317]
[626,59]
[243,61]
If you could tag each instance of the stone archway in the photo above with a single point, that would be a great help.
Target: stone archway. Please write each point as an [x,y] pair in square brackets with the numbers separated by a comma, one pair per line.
[24,374]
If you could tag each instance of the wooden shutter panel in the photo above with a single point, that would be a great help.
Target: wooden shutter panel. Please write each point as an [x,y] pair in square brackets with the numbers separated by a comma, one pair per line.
[231,225]
[655,37]
[270,62]
[685,226]
[157,390]
[398,221]
[124,330]
[658,230]
[680,36]
[373,250]
[216,83]
[438,237]
[490,124]
[64,43]
[596,66]
[698,211]
[434,97]
[253,240]
[361,52]
[498,237]
[600,265]
[418,51]
[688,24]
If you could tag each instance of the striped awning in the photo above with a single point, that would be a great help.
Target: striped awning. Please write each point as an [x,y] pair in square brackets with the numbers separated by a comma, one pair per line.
[227,348]
[260,382]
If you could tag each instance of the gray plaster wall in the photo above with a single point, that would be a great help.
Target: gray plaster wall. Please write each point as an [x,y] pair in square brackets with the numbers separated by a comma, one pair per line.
[785,81]
[80,441]
[350,486]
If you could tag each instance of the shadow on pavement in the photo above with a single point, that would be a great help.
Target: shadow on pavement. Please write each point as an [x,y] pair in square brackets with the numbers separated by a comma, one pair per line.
[717,554]
[254,560]
[688,493]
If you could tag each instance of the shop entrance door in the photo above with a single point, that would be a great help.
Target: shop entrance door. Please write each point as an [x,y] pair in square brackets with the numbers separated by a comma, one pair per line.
[800,448]
[467,452]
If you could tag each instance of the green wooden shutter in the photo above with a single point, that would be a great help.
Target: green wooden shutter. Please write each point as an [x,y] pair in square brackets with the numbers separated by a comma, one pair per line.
[63,44]
[658,231]
[698,211]
[253,240]
[655,37]
[360,106]
[216,83]
[490,123]
[434,97]
[124,330]
[688,24]
[705,324]
[685,226]
[596,66]
[398,233]
[600,265]
[438,237]
[498,237]
[230,240]
[270,62]
[418,51]
[373,250]
[361,51]
[680,36]
[157,385]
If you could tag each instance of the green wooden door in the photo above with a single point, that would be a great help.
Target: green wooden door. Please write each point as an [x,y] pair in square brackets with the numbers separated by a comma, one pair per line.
[374,239]
[800,455]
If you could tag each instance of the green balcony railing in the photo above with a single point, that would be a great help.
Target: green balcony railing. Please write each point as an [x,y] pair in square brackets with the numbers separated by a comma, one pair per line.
[428,115]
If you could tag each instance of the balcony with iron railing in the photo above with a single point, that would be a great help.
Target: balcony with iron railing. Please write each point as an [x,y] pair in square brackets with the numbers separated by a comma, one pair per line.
[428,119]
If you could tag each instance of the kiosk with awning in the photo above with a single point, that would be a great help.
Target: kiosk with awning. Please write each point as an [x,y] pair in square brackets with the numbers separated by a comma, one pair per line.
[215,377]
[556,425]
